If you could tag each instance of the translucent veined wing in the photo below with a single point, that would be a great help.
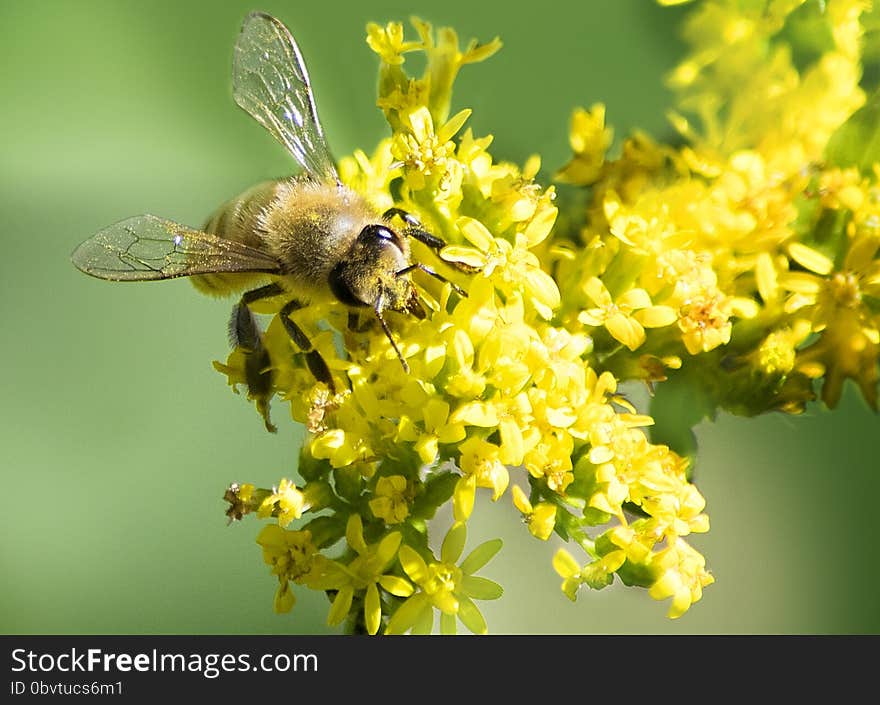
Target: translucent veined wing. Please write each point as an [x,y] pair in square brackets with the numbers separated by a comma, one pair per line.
[146,248]
[270,81]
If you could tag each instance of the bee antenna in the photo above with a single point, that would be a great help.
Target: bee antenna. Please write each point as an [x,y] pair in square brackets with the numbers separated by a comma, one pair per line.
[378,310]
[427,270]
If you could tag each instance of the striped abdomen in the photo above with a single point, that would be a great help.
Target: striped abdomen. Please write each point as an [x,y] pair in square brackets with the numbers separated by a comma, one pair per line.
[238,220]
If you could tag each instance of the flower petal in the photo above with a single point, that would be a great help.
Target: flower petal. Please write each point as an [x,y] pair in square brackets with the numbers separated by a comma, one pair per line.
[480,556]
[453,543]
[481,588]
[413,564]
[471,616]
[396,585]
[341,605]
[372,609]
[411,611]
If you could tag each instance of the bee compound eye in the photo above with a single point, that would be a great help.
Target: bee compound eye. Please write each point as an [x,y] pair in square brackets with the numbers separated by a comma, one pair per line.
[340,281]
[380,233]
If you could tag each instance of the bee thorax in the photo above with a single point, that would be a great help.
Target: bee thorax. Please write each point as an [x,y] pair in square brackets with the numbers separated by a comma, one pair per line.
[310,228]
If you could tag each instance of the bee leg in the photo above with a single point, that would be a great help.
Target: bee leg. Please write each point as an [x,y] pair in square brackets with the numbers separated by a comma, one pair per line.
[427,270]
[408,218]
[316,363]
[357,323]
[244,332]
[415,230]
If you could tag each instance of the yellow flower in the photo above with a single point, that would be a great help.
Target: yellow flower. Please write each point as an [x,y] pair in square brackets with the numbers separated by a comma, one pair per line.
[626,317]
[292,556]
[365,574]
[287,503]
[428,156]
[508,378]
[438,428]
[540,519]
[482,460]
[590,140]
[388,42]
[446,586]
[510,267]
[681,576]
[391,503]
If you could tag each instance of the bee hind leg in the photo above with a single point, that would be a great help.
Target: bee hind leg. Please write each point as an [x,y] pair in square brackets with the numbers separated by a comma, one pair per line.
[244,332]
[317,364]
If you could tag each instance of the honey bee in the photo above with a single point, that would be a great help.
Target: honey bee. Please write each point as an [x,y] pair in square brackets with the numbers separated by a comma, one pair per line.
[310,236]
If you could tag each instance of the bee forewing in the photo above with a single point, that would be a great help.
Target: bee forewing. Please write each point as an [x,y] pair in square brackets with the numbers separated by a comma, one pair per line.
[270,81]
[146,248]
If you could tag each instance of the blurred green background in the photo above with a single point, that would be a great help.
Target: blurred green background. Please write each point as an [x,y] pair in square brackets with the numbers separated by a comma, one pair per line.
[117,437]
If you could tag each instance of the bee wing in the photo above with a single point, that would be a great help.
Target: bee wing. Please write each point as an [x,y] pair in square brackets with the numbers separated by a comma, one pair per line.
[270,81]
[146,248]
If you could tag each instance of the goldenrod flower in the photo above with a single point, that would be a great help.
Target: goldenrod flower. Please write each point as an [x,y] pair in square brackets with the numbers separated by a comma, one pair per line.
[362,575]
[446,586]
[390,503]
[590,140]
[388,42]
[286,503]
[291,554]
[682,576]
[427,156]
[626,317]
[744,262]
[540,518]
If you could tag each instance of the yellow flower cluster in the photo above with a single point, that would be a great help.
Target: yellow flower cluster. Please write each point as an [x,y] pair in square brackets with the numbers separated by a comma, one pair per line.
[744,264]
[749,241]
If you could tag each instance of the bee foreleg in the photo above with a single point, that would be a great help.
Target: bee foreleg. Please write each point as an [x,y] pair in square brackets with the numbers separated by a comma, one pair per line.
[427,270]
[415,230]
[356,324]
[411,220]
[317,364]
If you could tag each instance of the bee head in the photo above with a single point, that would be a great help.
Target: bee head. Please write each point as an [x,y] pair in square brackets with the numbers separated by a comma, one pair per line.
[374,273]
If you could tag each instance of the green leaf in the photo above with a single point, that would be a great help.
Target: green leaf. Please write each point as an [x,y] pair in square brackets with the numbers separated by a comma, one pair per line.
[857,142]
[680,403]
[326,530]
[311,468]
[637,574]
[436,492]
[348,483]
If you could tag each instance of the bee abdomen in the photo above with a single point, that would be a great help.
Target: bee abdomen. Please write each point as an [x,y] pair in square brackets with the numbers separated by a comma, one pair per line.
[238,220]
